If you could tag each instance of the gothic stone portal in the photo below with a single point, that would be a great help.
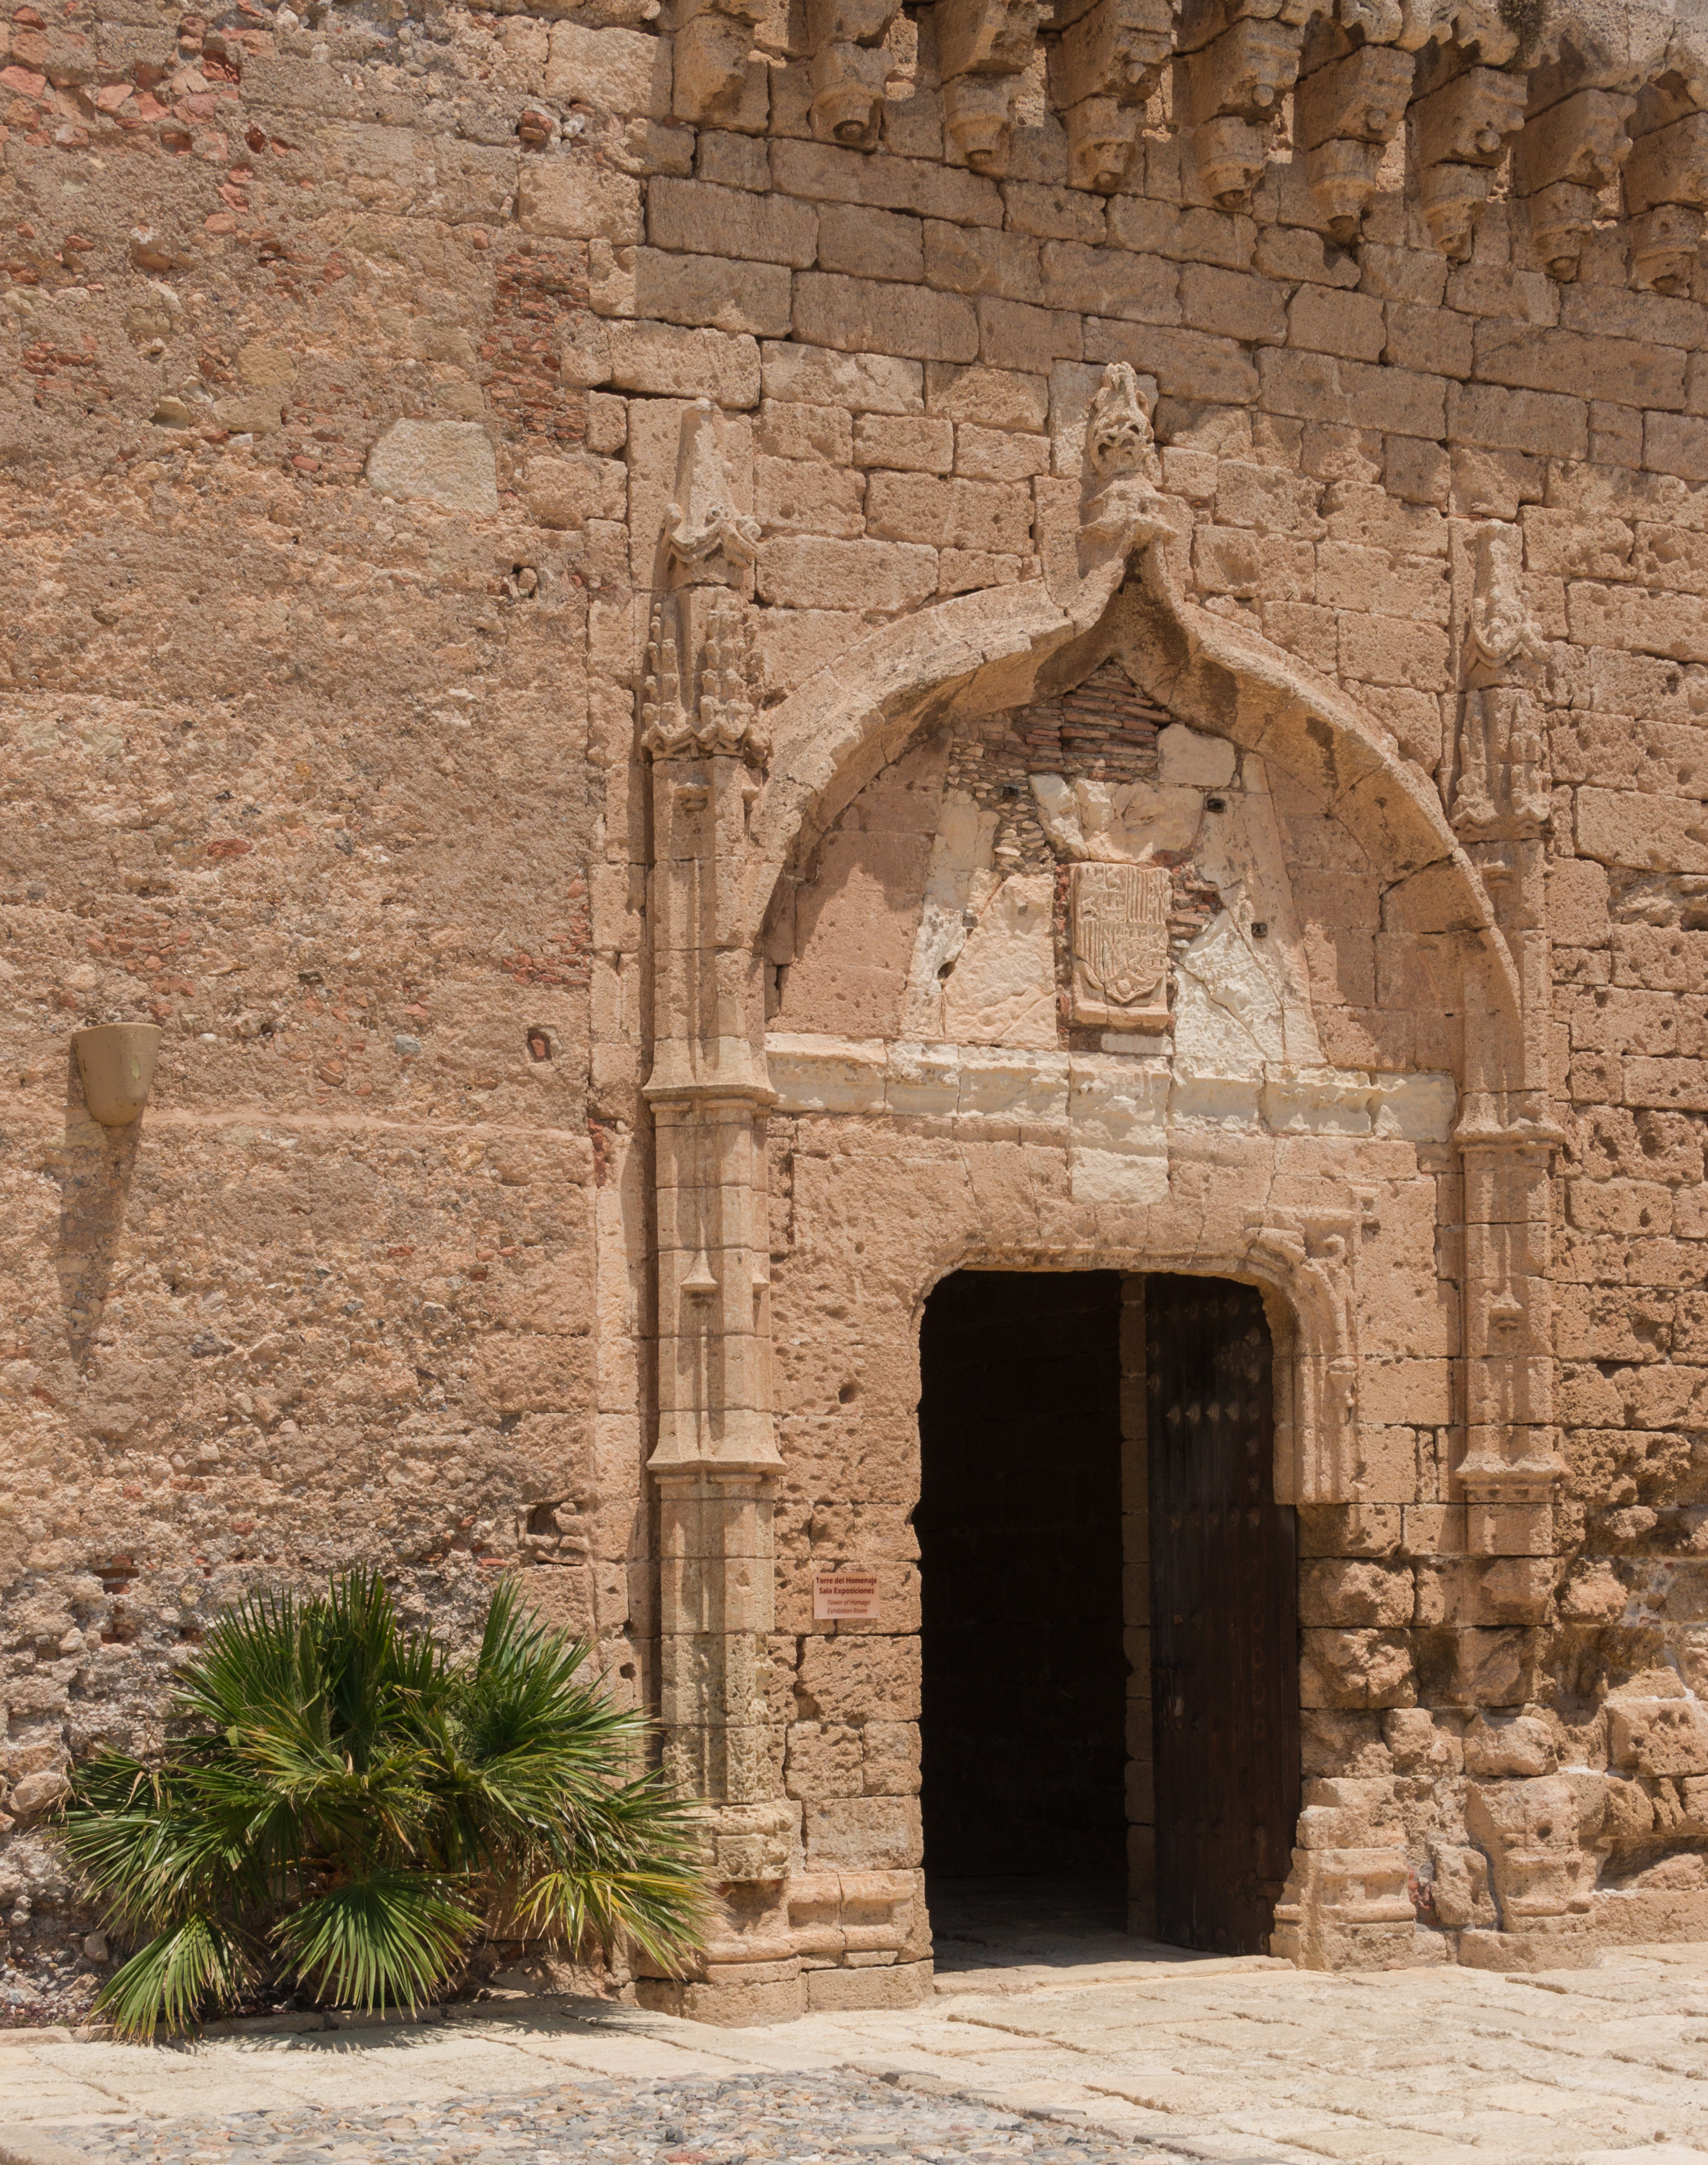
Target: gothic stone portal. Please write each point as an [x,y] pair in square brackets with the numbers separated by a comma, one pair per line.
[1108,1599]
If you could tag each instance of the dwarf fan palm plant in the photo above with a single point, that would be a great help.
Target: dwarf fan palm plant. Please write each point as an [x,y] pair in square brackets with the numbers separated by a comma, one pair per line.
[345,1810]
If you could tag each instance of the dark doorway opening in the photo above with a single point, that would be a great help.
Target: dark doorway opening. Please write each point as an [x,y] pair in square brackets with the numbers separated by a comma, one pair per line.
[1020,1528]
[1109,1702]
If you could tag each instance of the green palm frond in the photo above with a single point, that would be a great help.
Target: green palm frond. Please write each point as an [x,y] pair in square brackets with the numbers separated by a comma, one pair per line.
[392,1939]
[169,1853]
[345,1805]
[251,1662]
[199,1964]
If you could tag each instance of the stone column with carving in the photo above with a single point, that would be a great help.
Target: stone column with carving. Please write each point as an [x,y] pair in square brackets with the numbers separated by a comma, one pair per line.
[1500,805]
[716,1457]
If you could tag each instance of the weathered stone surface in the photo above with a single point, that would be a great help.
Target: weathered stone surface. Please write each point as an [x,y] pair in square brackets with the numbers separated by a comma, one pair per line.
[626,70]
[448,463]
[572,197]
[534,560]
[731,223]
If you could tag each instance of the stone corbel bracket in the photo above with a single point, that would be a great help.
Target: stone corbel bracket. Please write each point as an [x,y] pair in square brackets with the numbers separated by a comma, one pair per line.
[983,48]
[1666,179]
[716,82]
[1241,61]
[1349,106]
[850,63]
[1107,65]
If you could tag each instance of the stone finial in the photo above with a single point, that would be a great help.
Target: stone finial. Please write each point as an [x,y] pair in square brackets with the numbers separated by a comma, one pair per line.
[1118,436]
[1498,633]
[1120,509]
[707,540]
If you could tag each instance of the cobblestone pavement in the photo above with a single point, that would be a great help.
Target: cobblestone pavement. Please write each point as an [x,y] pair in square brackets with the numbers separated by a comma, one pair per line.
[832,2121]
[1035,2048]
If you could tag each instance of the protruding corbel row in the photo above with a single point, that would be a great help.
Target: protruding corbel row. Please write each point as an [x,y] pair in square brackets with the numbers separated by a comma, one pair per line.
[1573,113]
[1587,98]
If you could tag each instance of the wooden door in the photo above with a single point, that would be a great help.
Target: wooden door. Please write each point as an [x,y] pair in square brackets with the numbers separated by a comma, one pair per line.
[1224,1617]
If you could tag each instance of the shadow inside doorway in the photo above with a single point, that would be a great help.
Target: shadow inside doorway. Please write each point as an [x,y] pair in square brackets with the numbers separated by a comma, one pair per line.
[1017,1933]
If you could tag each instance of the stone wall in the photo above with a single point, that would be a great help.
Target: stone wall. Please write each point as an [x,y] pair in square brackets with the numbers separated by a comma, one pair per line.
[345,365]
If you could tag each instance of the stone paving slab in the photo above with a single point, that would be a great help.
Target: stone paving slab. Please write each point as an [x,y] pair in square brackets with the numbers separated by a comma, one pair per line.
[1218,2061]
[813,2120]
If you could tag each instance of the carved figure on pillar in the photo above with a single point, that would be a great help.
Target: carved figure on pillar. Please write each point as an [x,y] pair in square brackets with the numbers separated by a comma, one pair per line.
[716,1454]
[1503,787]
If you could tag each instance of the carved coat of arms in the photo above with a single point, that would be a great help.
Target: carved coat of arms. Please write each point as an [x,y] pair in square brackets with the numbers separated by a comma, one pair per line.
[1119,919]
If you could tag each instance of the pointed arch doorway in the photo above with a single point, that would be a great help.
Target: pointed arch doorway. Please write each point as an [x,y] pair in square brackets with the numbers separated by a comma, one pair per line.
[1109,1605]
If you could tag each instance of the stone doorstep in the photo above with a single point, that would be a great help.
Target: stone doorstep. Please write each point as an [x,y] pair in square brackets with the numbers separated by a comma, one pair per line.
[1009,1979]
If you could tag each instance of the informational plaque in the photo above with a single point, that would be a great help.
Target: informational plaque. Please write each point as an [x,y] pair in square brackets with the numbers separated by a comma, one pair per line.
[1120,945]
[849,1596]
